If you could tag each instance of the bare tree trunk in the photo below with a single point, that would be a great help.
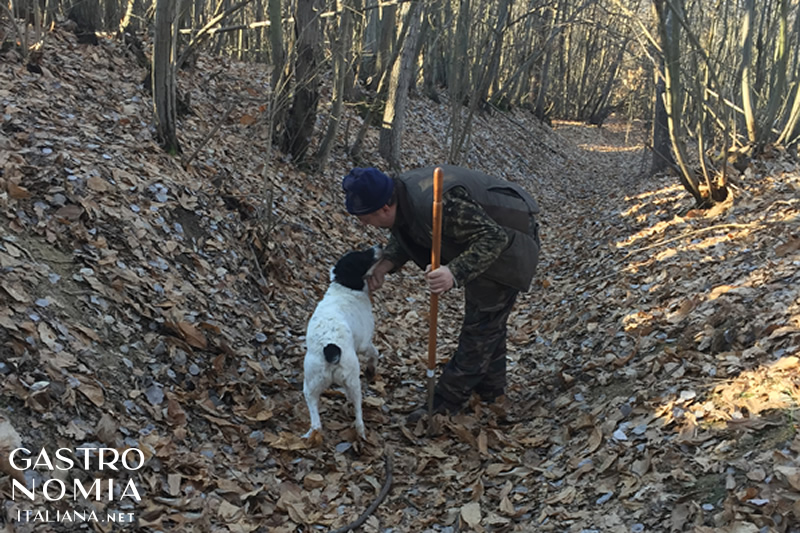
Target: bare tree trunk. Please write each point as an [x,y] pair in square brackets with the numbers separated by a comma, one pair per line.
[111,10]
[523,67]
[198,13]
[670,31]
[791,130]
[602,108]
[458,80]
[219,45]
[387,30]
[356,52]
[431,52]
[258,41]
[369,49]
[342,46]
[483,69]
[491,70]
[86,14]
[539,107]
[777,89]
[164,80]
[279,64]
[394,113]
[303,113]
[747,56]
[240,41]
[377,103]
[662,155]
[126,18]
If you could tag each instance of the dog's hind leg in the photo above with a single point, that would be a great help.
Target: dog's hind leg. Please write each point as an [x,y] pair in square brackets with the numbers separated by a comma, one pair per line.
[312,400]
[353,389]
[372,355]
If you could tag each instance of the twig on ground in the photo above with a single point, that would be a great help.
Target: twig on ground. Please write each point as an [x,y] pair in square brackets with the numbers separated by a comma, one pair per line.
[371,509]
[208,137]
[258,264]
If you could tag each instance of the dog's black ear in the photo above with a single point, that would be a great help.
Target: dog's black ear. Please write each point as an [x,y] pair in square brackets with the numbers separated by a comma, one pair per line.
[351,268]
[332,353]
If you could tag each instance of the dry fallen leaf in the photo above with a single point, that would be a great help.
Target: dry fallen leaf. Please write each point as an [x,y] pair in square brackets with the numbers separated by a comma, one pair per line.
[595,439]
[788,247]
[106,429]
[288,441]
[471,514]
[192,335]
[98,184]
[17,192]
[94,392]
[174,484]
[228,511]
[718,291]
[9,441]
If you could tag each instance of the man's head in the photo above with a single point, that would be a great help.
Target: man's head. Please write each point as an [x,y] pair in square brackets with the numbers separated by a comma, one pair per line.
[368,195]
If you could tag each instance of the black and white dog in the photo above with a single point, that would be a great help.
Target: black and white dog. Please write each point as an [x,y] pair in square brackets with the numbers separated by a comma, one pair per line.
[340,330]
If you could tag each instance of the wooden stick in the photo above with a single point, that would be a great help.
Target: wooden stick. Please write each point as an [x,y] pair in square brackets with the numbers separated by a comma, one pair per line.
[387,484]
[436,248]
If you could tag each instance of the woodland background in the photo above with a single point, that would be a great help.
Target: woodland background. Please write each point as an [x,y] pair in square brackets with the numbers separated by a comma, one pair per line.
[717,79]
[171,203]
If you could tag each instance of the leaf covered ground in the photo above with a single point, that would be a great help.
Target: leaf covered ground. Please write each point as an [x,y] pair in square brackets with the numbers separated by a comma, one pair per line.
[653,366]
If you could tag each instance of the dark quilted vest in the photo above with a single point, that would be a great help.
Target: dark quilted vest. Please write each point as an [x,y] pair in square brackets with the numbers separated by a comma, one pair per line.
[505,202]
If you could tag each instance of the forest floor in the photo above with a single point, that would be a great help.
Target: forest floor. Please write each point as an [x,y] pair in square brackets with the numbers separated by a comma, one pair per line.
[160,307]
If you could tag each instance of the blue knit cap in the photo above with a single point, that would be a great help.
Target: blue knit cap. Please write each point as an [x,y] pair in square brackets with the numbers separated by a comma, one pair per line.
[366,190]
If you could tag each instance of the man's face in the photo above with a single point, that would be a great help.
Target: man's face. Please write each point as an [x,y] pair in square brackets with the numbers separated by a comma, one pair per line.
[382,218]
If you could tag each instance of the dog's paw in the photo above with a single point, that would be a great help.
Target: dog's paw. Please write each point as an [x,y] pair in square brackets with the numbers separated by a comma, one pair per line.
[361,432]
[311,431]
[369,371]
[314,438]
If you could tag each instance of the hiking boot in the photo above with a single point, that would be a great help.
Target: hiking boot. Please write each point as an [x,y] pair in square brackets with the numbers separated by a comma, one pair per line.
[440,407]
[493,403]
[493,396]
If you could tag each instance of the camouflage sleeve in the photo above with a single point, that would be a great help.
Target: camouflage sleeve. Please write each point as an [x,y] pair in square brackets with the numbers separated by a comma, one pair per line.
[394,252]
[465,222]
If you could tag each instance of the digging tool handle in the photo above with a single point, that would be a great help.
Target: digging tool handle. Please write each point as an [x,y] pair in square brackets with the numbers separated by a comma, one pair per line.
[436,248]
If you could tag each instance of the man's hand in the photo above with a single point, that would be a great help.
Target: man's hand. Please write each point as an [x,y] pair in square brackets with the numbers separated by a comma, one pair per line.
[439,280]
[376,279]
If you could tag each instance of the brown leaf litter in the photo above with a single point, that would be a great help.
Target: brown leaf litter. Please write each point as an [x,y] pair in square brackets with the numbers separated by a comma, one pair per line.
[652,368]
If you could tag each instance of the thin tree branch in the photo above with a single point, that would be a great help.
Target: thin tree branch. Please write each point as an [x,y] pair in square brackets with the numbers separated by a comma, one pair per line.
[371,509]
[214,31]
[207,30]
[210,134]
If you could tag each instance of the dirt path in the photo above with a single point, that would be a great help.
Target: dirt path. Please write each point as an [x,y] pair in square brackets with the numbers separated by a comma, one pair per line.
[622,383]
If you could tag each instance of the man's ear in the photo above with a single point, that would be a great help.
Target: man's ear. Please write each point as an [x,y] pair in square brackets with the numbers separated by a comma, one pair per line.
[389,210]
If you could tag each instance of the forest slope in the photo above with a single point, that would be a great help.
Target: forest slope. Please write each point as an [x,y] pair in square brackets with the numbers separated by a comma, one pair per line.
[653,365]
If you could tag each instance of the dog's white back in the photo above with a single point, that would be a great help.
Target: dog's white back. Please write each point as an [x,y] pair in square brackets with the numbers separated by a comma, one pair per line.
[343,318]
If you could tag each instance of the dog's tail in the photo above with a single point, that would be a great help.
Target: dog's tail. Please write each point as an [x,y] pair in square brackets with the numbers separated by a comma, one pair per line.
[332,353]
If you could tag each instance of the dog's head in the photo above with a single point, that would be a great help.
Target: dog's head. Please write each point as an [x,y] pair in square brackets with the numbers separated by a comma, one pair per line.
[351,269]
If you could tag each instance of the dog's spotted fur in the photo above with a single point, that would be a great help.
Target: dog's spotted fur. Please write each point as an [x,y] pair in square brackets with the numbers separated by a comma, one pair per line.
[340,330]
